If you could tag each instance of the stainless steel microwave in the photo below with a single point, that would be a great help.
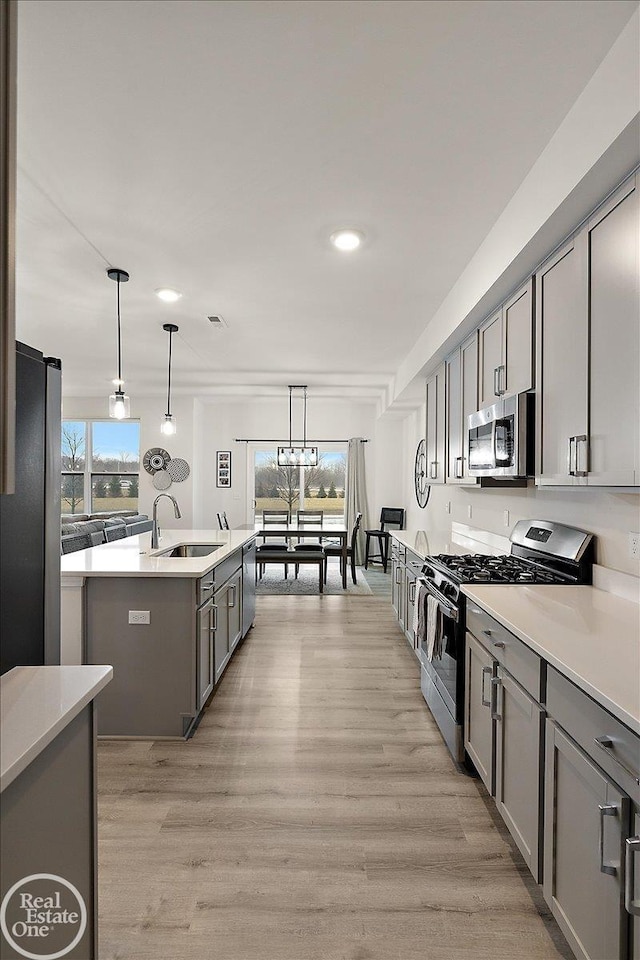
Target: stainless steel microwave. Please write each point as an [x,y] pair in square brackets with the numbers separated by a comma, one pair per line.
[500,438]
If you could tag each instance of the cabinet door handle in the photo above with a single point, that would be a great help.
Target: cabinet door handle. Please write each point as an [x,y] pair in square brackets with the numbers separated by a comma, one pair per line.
[496,683]
[412,592]
[486,672]
[459,468]
[496,388]
[398,571]
[215,619]
[607,744]
[502,379]
[433,470]
[606,810]
[571,469]
[234,588]
[631,847]
[582,438]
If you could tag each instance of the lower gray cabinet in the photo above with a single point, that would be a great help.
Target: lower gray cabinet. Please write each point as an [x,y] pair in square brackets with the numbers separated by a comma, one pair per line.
[227,627]
[585,820]
[478,722]
[632,881]
[517,770]
[397,587]
[204,653]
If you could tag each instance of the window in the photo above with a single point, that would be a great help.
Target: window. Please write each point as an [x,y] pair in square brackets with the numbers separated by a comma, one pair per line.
[100,466]
[302,488]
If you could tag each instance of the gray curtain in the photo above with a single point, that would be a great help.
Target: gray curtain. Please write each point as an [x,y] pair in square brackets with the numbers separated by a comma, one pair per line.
[356,492]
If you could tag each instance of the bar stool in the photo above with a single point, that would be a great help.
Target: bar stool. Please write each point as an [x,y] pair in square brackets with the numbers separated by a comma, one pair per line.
[389,517]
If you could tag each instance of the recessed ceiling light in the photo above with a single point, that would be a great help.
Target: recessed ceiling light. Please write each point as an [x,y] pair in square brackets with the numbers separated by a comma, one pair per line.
[168,295]
[347,240]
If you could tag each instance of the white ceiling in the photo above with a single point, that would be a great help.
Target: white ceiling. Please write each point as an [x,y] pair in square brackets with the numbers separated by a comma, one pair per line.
[214,146]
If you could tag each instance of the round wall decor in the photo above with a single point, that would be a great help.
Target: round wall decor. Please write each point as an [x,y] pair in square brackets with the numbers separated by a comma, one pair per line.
[423,489]
[178,469]
[155,459]
[161,480]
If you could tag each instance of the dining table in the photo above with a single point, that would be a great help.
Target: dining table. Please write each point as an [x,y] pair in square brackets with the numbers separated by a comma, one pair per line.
[337,532]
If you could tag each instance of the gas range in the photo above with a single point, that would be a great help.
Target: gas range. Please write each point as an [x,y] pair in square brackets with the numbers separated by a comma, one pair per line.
[542,552]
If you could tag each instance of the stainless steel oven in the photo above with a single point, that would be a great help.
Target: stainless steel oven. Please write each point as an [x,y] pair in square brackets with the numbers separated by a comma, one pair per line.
[500,438]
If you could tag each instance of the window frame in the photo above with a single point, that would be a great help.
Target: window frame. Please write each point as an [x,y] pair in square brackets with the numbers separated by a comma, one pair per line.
[88,473]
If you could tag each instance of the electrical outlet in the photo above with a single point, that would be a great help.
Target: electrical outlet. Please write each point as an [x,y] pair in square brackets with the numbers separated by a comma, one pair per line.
[447,506]
[139,616]
[506,518]
[469,511]
[634,546]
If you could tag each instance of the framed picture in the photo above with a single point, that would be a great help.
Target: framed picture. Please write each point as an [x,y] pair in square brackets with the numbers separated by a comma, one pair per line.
[223,468]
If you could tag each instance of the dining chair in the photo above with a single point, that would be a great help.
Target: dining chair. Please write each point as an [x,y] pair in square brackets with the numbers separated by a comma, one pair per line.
[273,518]
[333,548]
[310,518]
[389,517]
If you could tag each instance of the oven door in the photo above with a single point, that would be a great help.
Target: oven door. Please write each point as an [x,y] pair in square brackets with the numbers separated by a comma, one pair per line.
[446,669]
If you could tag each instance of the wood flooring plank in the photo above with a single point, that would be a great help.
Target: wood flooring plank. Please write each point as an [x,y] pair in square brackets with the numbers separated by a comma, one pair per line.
[315,815]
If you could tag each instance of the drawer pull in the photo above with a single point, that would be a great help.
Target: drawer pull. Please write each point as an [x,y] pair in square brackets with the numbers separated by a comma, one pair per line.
[498,643]
[607,744]
[606,810]
[207,586]
[631,847]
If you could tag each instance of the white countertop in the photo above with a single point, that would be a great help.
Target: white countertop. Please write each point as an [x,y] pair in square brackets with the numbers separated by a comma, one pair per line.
[36,704]
[430,543]
[589,635]
[133,556]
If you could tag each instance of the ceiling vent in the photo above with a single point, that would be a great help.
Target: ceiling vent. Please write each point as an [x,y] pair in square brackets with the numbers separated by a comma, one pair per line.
[217,321]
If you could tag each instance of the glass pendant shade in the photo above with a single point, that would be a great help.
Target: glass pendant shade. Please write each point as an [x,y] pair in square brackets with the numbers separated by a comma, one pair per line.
[303,455]
[119,406]
[168,425]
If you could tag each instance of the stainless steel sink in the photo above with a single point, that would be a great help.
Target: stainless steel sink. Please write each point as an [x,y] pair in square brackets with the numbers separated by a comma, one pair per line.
[190,550]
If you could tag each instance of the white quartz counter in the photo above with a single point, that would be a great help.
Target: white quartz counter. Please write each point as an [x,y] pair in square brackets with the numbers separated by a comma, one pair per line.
[133,556]
[459,540]
[589,635]
[36,704]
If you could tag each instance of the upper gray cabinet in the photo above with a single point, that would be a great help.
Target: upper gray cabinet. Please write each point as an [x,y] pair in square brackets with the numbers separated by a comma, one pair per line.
[614,374]
[462,399]
[8,71]
[505,343]
[588,351]
[435,426]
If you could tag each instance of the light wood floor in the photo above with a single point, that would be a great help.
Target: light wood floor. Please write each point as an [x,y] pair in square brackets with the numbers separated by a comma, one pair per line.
[315,814]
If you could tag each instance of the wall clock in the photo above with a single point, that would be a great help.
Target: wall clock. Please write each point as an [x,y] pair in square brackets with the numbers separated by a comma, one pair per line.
[423,489]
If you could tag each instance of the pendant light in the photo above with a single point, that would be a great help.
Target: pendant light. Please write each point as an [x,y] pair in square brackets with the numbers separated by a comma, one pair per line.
[298,456]
[119,405]
[168,426]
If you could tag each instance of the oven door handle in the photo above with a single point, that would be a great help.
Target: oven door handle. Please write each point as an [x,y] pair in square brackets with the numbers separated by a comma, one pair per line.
[449,610]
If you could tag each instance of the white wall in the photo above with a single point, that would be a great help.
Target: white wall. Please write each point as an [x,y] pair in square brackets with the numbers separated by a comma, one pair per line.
[150,411]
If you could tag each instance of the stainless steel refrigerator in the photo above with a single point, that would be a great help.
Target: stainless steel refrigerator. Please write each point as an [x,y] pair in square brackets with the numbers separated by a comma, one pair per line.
[30,520]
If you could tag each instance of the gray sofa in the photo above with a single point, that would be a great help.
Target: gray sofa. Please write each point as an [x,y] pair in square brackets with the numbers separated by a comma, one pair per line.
[80,531]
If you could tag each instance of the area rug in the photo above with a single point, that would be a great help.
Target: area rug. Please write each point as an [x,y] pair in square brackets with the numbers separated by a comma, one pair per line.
[273,582]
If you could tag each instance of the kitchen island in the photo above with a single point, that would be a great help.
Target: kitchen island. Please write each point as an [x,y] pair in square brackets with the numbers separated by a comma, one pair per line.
[168,620]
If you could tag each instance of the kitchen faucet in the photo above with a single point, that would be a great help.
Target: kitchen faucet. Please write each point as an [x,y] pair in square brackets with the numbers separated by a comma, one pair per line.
[155,532]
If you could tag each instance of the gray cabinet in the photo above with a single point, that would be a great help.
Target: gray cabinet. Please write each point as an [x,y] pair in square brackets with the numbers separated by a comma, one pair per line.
[517,770]
[412,568]
[227,626]
[506,356]
[588,354]
[614,355]
[8,79]
[248,586]
[562,362]
[503,726]
[584,824]
[397,587]
[461,400]
[205,627]
[632,881]
[435,426]
[478,721]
